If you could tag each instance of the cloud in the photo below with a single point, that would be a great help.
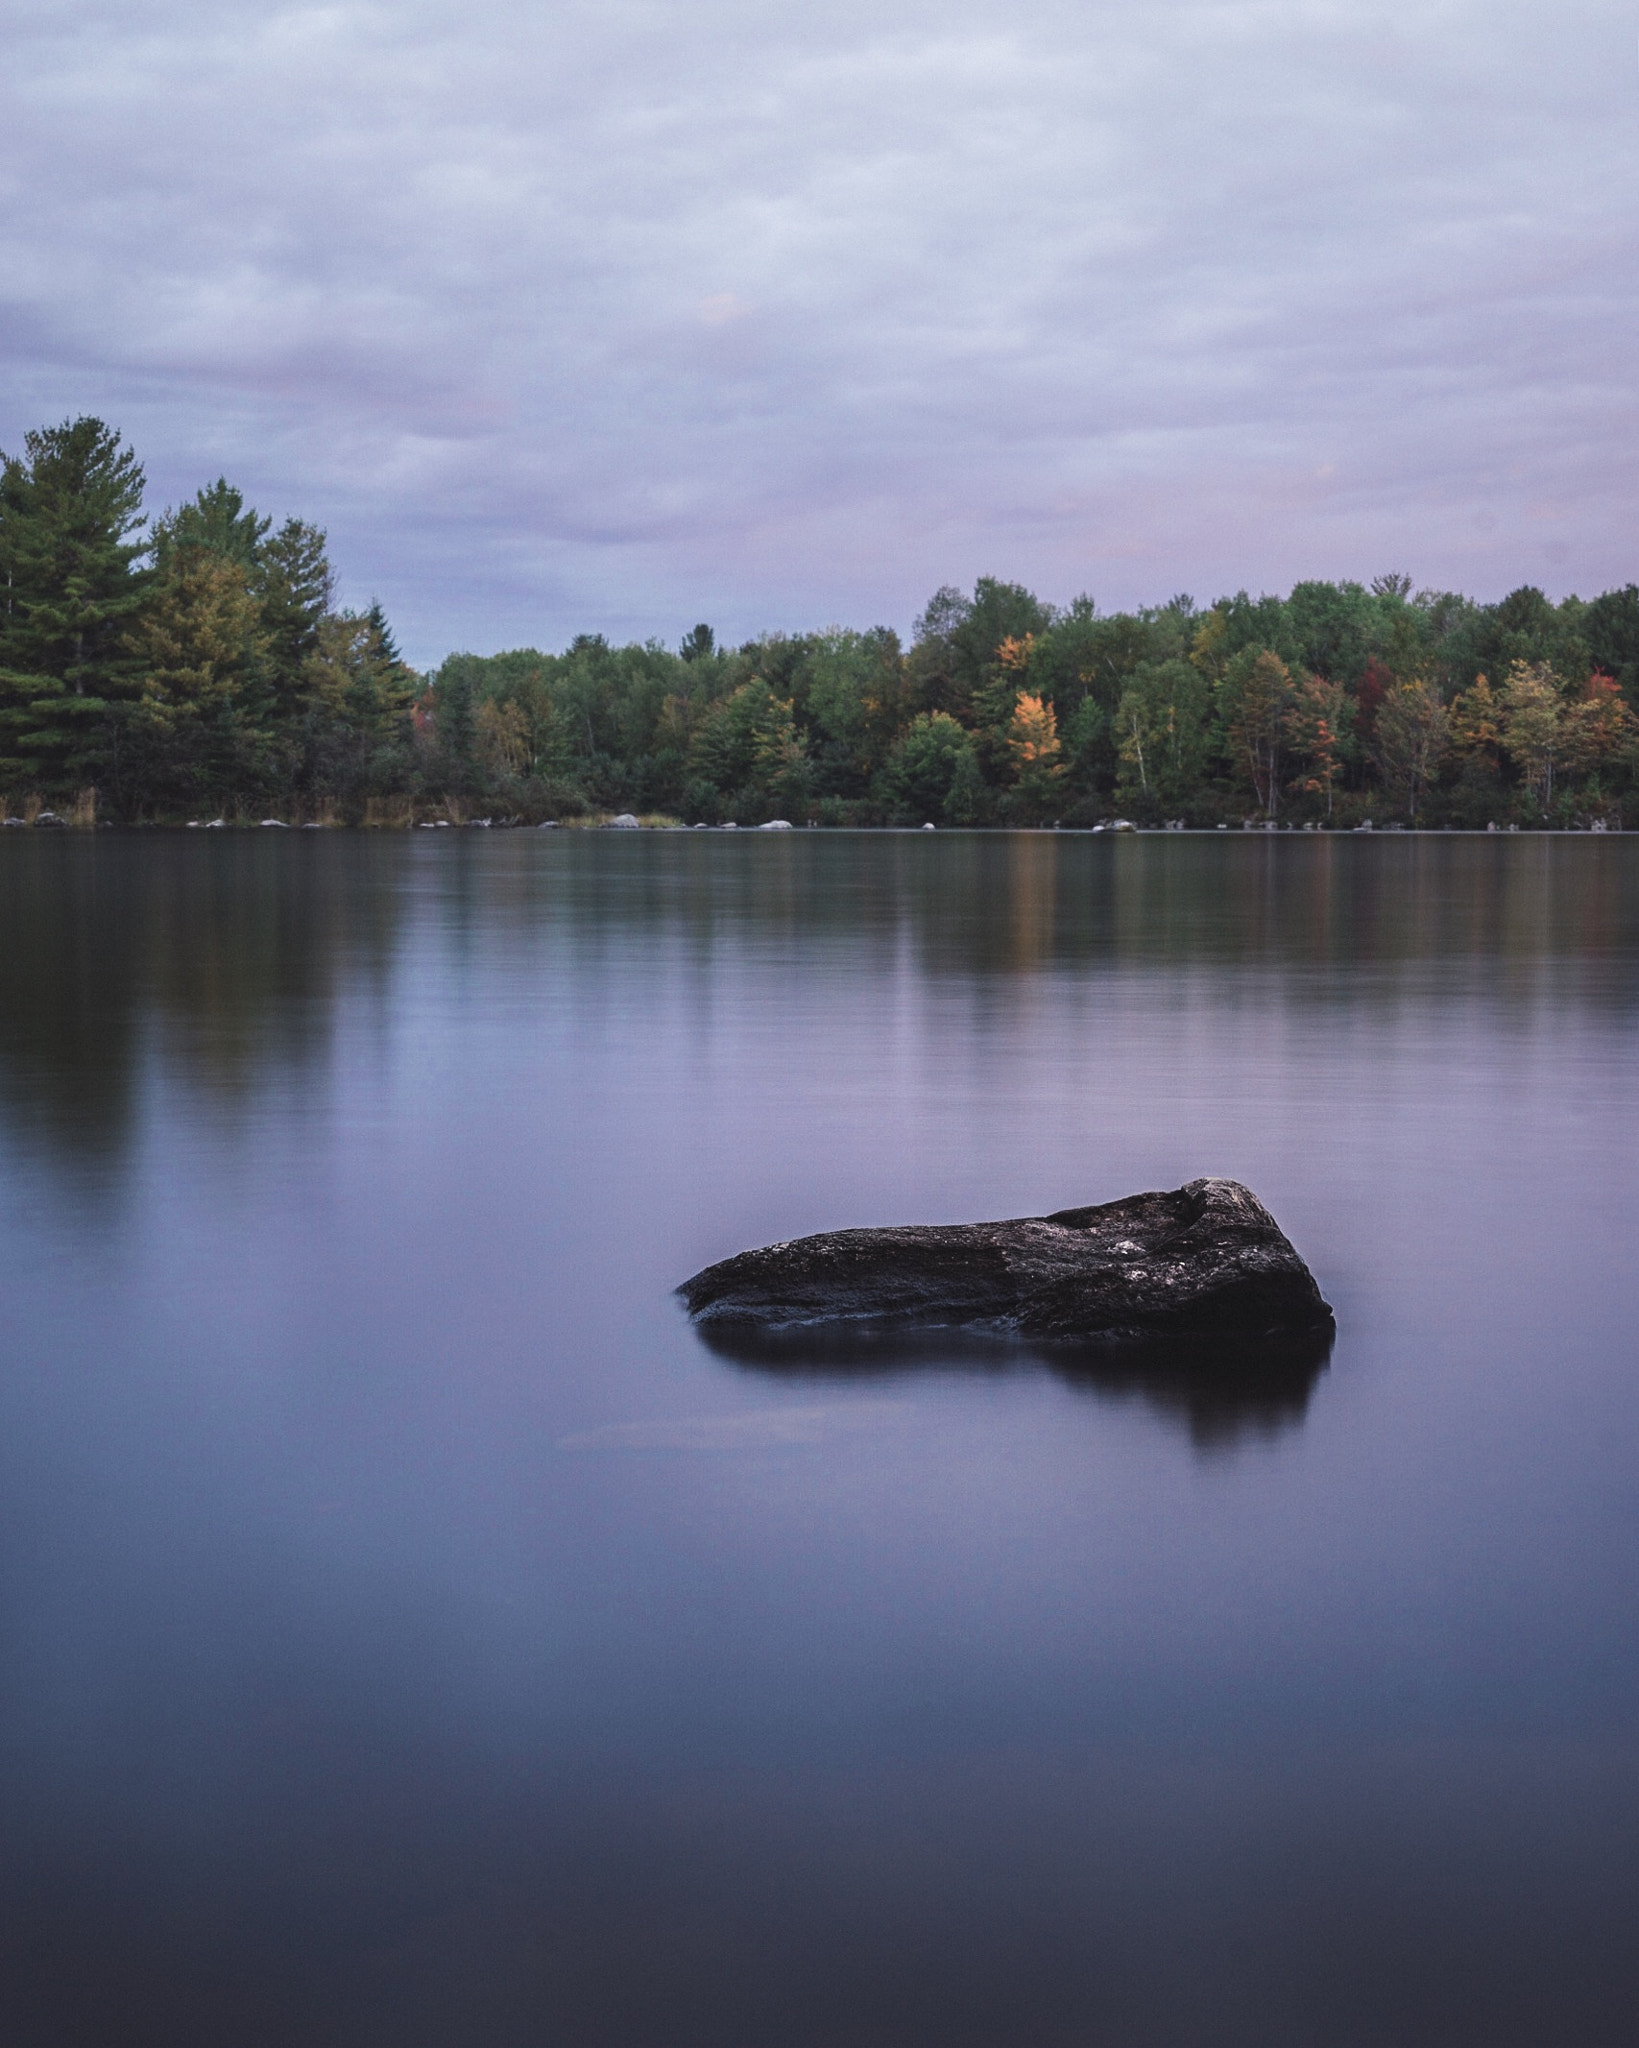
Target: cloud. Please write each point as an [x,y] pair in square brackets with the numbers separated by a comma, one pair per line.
[619,316]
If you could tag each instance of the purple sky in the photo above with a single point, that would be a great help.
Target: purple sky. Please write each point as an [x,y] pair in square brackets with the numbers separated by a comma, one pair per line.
[609,316]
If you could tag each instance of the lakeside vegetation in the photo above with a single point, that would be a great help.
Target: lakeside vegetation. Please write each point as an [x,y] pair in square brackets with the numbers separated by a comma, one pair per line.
[198,666]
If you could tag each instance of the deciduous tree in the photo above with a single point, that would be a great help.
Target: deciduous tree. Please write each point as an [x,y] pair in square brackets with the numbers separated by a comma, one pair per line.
[1533,726]
[1317,727]
[1411,740]
[1160,728]
[919,774]
[1033,743]
[748,750]
[1477,721]
[1256,697]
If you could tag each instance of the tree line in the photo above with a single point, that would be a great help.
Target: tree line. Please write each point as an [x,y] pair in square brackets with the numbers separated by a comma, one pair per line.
[199,663]
[195,662]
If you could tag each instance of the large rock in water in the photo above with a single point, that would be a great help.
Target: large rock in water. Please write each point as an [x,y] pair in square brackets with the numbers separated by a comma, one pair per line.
[1205,1260]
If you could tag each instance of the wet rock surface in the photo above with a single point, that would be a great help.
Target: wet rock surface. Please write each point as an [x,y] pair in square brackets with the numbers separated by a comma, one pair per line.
[1204,1260]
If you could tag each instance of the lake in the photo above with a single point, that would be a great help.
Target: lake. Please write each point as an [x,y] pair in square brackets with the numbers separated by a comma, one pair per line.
[415,1634]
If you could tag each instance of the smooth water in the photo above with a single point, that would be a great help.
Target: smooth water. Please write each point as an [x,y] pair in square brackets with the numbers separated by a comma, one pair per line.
[413,1634]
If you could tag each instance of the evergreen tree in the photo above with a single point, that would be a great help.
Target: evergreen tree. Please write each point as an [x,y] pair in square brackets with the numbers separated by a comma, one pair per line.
[357,718]
[293,584]
[223,673]
[218,521]
[455,721]
[70,507]
[386,646]
[195,732]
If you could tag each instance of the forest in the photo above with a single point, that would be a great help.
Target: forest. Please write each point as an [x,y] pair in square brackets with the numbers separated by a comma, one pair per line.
[195,666]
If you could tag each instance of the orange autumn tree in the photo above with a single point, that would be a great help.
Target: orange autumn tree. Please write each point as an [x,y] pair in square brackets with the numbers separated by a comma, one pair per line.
[997,691]
[1033,743]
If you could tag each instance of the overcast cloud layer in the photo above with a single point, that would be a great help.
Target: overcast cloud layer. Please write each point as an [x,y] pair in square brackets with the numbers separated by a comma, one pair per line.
[617,316]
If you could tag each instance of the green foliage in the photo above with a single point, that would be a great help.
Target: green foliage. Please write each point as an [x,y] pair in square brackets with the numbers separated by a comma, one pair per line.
[210,668]
[217,521]
[194,734]
[455,723]
[1525,627]
[1332,629]
[853,690]
[958,640]
[1090,759]
[1610,626]
[748,754]
[293,583]
[1410,742]
[921,774]
[1256,701]
[358,724]
[1161,733]
[70,508]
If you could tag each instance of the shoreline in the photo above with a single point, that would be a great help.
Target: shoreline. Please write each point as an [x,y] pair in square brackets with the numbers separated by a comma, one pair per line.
[51,826]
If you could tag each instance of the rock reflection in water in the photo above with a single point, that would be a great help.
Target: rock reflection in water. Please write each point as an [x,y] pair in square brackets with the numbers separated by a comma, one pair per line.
[1219,1393]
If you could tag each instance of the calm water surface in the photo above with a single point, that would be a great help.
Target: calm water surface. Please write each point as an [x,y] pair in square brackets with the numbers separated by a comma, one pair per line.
[413,1634]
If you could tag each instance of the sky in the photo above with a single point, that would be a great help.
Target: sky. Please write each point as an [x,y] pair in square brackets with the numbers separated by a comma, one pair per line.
[614,317]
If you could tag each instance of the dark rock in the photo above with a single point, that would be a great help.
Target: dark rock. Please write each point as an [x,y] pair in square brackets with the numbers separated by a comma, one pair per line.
[1206,1260]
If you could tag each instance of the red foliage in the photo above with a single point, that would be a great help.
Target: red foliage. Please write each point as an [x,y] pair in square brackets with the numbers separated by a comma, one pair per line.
[1375,683]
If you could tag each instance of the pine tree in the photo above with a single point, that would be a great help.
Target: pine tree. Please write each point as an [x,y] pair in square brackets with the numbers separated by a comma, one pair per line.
[69,590]
[386,644]
[294,585]
[217,520]
[455,723]
[195,732]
